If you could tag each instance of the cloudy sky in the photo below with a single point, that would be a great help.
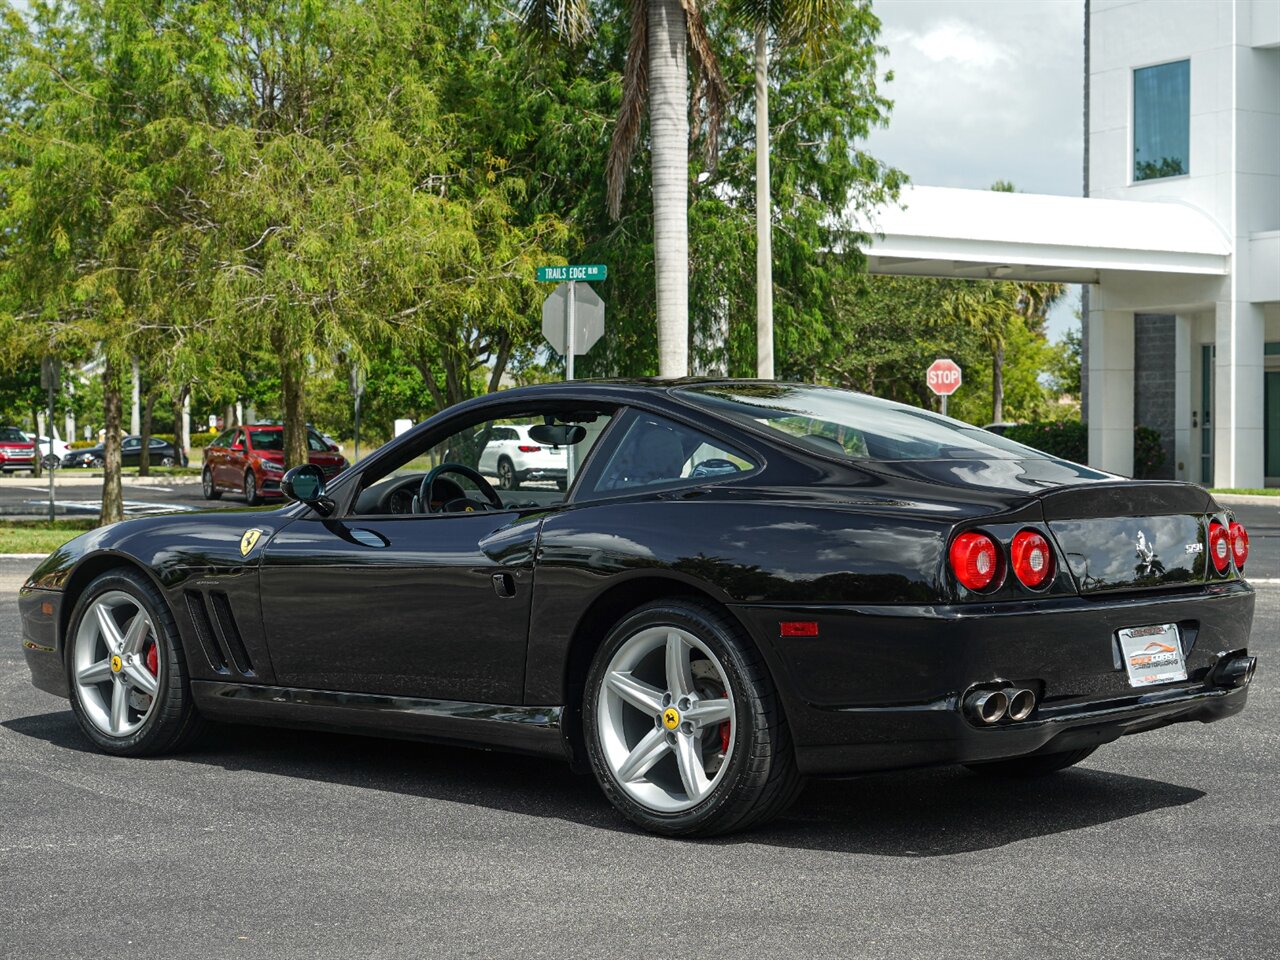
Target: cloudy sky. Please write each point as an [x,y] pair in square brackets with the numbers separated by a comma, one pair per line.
[986,90]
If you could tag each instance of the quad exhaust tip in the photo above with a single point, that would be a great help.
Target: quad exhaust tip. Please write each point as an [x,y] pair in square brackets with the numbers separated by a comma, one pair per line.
[1237,671]
[988,707]
[1021,704]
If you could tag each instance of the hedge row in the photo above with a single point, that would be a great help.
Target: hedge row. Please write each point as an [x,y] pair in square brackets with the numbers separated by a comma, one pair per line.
[1069,440]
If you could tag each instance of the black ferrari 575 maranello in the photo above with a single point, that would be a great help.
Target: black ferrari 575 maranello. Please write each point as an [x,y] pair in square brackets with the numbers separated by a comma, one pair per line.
[744,584]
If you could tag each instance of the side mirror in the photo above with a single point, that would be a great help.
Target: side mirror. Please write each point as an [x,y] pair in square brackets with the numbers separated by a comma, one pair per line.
[305,484]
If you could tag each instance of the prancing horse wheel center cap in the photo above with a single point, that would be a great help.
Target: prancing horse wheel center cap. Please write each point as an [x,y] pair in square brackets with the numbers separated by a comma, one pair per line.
[671,718]
[116,664]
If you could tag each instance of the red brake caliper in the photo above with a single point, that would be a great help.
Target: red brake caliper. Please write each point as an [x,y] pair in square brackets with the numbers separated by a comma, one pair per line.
[153,664]
[724,738]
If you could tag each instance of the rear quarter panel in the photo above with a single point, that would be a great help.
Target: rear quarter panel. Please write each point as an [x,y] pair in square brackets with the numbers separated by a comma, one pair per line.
[879,551]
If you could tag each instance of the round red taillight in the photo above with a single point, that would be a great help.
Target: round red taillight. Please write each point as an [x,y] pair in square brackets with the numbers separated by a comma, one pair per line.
[1219,549]
[1031,558]
[975,560]
[1239,538]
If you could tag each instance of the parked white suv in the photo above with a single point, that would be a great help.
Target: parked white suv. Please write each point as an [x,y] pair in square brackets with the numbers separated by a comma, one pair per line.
[512,457]
[51,451]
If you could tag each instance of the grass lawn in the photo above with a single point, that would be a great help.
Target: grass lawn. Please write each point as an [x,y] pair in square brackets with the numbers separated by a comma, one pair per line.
[1251,491]
[39,536]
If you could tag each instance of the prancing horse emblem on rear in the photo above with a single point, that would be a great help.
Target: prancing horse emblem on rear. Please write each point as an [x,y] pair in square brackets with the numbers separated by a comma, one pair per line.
[1146,555]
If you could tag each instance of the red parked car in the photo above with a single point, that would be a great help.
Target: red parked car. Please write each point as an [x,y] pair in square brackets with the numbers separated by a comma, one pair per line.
[250,460]
[16,451]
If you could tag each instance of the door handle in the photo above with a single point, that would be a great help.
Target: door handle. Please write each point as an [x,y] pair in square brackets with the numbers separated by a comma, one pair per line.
[504,585]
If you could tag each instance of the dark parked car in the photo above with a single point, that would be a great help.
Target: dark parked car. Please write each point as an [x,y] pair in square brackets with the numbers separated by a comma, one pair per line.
[16,451]
[162,454]
[746,583]
[250,461]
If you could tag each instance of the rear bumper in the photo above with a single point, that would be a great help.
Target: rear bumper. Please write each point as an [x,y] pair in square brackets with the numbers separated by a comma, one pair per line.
[881,687]
[543,473]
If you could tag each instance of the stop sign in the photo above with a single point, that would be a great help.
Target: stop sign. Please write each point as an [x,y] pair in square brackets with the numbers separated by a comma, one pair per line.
[943,377]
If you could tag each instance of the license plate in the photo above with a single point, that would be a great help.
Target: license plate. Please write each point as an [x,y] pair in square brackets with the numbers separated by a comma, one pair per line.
[1152,654]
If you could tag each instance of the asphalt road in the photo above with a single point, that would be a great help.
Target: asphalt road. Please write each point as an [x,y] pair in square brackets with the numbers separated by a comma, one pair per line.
[81,495]
[263,843]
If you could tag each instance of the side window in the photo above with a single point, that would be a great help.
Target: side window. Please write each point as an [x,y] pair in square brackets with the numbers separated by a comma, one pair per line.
[131,443]
[236,438]
[316,442]
[553,446]
[658,451]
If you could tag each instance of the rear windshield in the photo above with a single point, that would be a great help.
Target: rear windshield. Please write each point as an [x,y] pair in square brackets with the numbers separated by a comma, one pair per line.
[855,426]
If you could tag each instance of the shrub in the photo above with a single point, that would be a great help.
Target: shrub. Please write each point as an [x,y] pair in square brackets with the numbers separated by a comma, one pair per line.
[82,444]
[202,439]
[1066,439]
[1148,452]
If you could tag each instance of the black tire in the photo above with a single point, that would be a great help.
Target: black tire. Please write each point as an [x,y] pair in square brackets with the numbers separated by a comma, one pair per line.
[206,482]
[507,478]
[173,721]
[761,779]
[251,495]
[166,461]
[1036,765]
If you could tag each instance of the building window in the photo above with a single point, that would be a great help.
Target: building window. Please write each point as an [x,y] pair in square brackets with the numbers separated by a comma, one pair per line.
[1162,121]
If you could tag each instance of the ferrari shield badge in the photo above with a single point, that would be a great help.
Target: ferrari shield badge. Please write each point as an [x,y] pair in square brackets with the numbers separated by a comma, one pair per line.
[249,541]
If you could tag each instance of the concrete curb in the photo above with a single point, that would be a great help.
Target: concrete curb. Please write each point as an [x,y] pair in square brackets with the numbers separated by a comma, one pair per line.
[1248,499]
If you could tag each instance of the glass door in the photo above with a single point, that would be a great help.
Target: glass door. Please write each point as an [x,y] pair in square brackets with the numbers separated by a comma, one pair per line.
[1271,424]
[1206,404]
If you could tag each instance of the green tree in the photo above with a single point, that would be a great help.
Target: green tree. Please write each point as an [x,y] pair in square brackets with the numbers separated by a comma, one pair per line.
[809,24]
[656,81]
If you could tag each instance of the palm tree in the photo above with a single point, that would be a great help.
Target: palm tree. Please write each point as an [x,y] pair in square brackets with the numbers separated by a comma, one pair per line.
[810,23]
[663,35]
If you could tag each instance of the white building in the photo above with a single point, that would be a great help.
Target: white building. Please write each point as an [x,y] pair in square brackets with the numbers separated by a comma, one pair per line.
[1177,236]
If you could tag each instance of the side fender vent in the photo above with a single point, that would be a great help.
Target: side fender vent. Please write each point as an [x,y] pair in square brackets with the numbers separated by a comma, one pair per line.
[230,633]
[213,650]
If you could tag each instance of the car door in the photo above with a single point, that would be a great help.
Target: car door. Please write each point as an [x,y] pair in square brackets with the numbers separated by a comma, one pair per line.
[498,442]
[421,606]
[130,448]
[432,605]
[229,471]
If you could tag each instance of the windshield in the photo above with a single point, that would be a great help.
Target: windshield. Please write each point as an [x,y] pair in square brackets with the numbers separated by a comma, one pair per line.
[855,426]
[267,439]
[11,435]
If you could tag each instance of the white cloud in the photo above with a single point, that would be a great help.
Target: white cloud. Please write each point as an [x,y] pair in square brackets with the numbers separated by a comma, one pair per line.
[960,42]
[985,90]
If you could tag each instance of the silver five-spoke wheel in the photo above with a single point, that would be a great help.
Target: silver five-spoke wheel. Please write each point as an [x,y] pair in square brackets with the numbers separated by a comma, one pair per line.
[116,666]
[666,719]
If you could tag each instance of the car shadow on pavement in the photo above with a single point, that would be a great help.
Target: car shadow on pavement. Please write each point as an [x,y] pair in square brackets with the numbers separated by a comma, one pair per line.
[917,813]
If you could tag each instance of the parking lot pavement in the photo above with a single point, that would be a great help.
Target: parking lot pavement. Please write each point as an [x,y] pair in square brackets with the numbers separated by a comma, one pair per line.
[286,844]
[82,497]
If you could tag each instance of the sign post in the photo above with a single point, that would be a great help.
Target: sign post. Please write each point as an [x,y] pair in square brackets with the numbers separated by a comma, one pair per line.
[943,378]
[48,380]
[583,322]
[574,326]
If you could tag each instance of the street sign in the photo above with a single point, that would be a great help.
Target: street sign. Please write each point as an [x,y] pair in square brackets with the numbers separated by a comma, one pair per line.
[588,318]
[589,272]
[943,377]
